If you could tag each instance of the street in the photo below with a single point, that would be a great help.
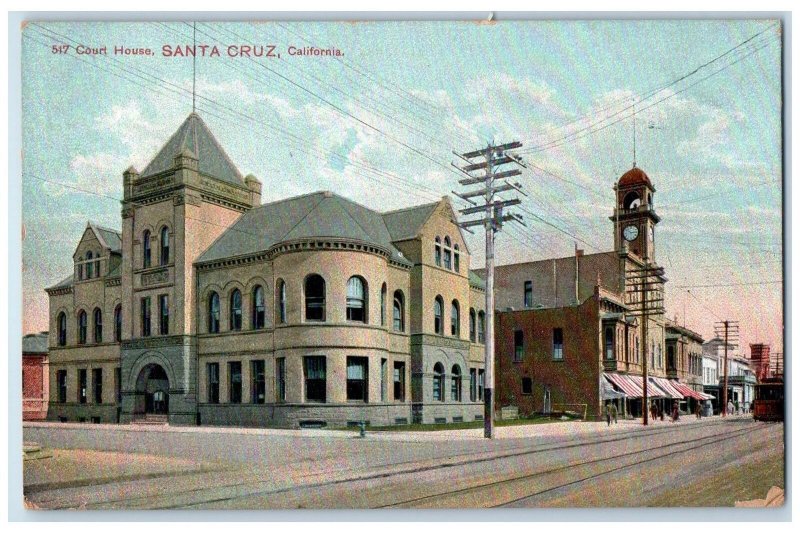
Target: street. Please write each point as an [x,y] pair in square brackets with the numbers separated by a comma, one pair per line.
[710,462]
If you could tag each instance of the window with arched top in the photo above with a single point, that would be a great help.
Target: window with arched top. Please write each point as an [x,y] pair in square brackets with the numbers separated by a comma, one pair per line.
[89,265]
[438,382]
[281,296]
[259,308]
[455,319]
[356,299]
[164,243]
[98,325]
[455,384]
[632,200]
[398,311]
[146,249]
[82,327]
[437,252]
[456,258]
[438,310]
[315,297]
[472,319]
[118,323]
[481,327]
[213,313]
[447,254]
[235,319]
[383,304]
[62,329]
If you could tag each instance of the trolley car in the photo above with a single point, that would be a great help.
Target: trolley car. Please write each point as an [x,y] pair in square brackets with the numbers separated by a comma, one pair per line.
[768,404]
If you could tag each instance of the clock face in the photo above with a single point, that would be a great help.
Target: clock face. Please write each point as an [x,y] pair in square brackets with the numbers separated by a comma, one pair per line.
[630,233]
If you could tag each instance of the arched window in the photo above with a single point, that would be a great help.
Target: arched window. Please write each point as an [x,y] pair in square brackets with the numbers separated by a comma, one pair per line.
[437,252]
[259,309]
[447,263]
[383,304]
[481,327]
[146,249]
[356,299]
[315,297]
[438,309]
[118,323]
[398,311]
[235,323]
[472,324]
[82,327]
[281,288]
[632,200]
[62,329]
[455,384]
[455,319]
[438,382]
[213,313]
[456,258]
[98,325]
[609,343]
[89,265]
[164,255]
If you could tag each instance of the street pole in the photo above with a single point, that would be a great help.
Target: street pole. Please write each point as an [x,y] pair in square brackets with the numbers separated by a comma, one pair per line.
[730,330]
[492,220]
[645,314]
[725,373]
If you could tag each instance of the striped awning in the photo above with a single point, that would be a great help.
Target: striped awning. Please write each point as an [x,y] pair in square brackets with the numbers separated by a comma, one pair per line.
[632,385]
[666,386]
[688,391]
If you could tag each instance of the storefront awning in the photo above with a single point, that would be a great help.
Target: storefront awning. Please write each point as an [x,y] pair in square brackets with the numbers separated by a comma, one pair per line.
[669,390]
[632,386]
[688,391]
[608,392]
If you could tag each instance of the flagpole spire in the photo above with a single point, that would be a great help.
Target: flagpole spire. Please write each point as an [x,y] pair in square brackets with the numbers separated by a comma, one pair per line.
[194,64]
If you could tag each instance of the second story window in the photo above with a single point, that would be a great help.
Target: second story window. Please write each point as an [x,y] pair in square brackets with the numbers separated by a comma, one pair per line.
[315,297]
[438,325]
[235,323]
[281,301]
[146,250]
[213,313]
[472,319]
[528,295]
[164,255]
[455,319]
[519,346]
[383,304]
[163,314]
[609,343]
[118,323]
[145,316]
[62,329]
[398,317]
[481,327]
[356,300]
[82,327]
[259,309]
[98,325]
[558,344]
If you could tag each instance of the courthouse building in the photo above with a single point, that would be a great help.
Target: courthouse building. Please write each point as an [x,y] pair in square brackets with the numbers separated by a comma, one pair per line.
[211,308]
[569,336]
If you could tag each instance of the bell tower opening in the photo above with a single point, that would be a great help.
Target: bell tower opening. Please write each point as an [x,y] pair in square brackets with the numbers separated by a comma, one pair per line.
[634,215]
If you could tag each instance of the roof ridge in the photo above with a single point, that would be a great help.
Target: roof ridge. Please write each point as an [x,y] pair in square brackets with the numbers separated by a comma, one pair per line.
[349,214]
[419,206]
[217,144]
[301,220]
[284,200]
[164,146]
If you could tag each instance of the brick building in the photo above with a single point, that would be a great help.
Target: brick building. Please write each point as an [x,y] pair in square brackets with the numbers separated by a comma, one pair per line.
[35,376]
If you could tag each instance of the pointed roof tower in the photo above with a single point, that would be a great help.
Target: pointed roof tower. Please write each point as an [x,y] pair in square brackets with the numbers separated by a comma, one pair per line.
[195,139]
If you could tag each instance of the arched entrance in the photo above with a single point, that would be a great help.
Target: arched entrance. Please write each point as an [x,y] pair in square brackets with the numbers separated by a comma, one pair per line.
[152,390]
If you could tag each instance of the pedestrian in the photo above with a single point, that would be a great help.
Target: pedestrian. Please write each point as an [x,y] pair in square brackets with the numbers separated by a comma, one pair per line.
[653,411]
[730,407]
[698,411]
[608,413]
[614,412]
[675,411]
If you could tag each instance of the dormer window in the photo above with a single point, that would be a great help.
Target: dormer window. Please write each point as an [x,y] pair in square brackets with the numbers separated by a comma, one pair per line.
[437,252]
[447,254]
[89,265]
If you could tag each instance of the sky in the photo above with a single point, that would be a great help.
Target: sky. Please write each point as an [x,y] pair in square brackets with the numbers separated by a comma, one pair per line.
[379,125]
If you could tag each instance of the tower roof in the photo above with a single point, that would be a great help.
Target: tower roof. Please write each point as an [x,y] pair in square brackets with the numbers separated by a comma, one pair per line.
[194,139]
[634,176]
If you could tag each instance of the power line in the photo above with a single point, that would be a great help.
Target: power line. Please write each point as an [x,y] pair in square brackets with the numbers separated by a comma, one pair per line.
[742,284]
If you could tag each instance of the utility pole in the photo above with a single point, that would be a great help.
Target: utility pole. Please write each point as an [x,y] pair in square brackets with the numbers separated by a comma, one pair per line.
[491,209]
[730,330]
[648,285]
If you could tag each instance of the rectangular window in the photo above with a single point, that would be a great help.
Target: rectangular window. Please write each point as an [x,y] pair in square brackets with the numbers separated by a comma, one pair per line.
[97,385]
[315,378]
[473,384]
[480,385]
[519,346]
[280,379]
[145,316]
[212,370]
[235,382]
[384,377]
[259,388]
[163,314]
[118,384]
[558,344]
[528,298]
[61,379]
[527,386]
[82,392]
[399,381]
[357,379]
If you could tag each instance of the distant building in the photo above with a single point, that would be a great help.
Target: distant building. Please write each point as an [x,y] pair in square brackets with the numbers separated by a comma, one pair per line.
[741,378]
[35,376]
[684,357]
[760,359]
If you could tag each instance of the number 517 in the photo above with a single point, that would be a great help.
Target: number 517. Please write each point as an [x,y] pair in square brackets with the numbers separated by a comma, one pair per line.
[60,48]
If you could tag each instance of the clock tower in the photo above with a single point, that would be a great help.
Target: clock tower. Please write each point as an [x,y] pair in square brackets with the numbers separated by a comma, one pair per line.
[634,214]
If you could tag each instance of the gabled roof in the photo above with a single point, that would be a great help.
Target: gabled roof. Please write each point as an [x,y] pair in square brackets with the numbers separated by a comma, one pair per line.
[317,215]
[195,137]
[407,223]
[35,343]
[64,283]
[109,238]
